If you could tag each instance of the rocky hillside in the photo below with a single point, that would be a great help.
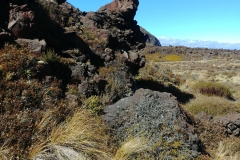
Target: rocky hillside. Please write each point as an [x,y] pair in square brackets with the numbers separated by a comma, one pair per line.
[72,72]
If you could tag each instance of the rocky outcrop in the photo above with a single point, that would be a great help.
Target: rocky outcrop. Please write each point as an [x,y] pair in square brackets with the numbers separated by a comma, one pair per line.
[230,122]
[125,8]
[100,38]
[151,39]
[21,21]
[159,118]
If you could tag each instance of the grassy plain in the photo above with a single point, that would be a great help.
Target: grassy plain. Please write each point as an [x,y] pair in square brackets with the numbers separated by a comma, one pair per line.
[215,85]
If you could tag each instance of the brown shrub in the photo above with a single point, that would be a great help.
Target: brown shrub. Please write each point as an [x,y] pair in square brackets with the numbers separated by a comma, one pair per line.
[213,89]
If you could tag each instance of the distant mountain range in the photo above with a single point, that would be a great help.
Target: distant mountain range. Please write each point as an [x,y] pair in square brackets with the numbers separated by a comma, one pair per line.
[198,43]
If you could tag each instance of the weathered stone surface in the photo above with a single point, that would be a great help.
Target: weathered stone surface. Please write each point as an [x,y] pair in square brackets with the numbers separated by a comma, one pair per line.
[230,122]
[21,21]
[37,46]
[156,114]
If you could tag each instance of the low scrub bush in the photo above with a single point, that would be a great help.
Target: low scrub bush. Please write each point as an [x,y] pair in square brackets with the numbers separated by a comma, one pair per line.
[213,89]
[215,106]
[156,72]
[50,56]
[93,104]
[23,100]
[118,82]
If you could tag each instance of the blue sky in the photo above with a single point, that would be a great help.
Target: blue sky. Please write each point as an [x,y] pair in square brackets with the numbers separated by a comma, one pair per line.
[209,23]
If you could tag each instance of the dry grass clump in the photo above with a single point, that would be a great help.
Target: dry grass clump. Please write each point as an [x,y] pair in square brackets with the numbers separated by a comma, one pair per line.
[229,147]
[213,89]
[223,153]
[215,106]
[131,147]
[4,153]
[81,136]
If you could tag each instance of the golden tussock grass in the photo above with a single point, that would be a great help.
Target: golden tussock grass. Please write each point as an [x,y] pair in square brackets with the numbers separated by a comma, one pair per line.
[82,136]
[131,147]
[4,153]
[224,153]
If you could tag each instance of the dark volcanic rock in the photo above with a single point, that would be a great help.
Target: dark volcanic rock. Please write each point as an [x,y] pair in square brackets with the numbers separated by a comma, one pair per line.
[159,117]
[230,122]
[125,8]
[151,40]
[21,21]
[60,1]
[4,14]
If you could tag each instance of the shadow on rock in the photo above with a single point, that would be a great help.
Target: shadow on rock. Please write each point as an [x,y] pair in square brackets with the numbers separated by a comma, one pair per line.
[182,97]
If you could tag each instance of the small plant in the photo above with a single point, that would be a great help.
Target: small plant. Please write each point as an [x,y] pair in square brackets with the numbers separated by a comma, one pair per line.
[50,56]
[213,89]
[72,89]
[94,104]
[215,106]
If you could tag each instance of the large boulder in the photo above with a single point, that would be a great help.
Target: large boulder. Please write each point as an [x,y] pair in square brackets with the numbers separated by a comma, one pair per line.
[125,8]
[159,118]
[35,45]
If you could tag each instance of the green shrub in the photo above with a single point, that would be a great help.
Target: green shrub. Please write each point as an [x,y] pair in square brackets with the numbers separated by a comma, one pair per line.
[94,104]
[50,56]
[213,89]
[215,106]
